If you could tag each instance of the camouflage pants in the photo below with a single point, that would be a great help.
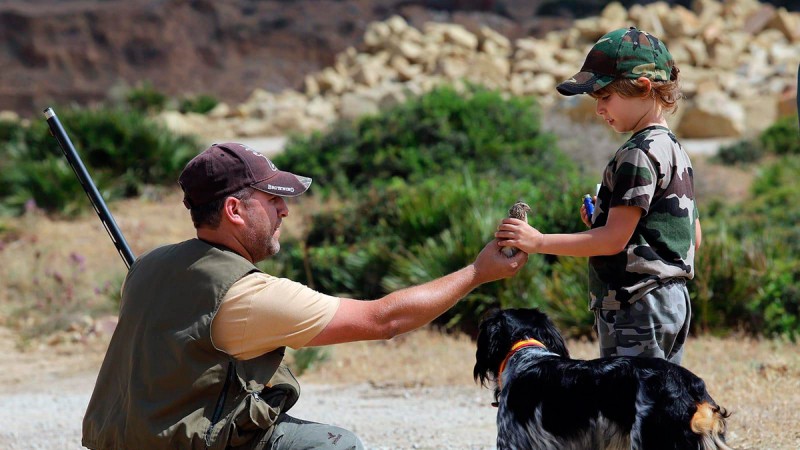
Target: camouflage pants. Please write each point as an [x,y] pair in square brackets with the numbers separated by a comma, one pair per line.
[655,326]
[293,433]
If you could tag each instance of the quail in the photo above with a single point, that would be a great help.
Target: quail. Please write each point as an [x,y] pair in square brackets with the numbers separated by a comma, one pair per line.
[519,211]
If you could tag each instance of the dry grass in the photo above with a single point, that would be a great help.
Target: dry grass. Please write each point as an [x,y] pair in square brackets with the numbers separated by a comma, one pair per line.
[758,380]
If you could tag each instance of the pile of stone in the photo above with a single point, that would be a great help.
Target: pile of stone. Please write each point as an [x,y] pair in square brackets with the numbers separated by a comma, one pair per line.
[738,62]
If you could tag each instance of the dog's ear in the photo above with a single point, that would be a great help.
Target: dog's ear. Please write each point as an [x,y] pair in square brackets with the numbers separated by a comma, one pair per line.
[492,347]
[550,336]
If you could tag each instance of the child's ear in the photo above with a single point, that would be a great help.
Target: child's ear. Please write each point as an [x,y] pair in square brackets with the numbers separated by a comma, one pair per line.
[645,84]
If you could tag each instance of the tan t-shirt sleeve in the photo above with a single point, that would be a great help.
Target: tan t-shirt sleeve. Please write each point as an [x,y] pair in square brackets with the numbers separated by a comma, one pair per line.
[261,313]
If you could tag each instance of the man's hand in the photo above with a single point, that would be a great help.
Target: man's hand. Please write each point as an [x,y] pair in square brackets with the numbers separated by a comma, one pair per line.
[491,264]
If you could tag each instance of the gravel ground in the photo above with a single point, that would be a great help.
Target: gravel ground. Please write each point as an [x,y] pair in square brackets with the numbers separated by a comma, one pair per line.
[413,392]
[48,415]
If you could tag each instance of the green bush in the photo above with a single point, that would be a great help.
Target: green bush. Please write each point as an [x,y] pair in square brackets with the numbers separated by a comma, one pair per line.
[778,304]
[399,235]
[747,261]
[200,104]
[436,133]
[307,358]
[783,137]
[741,152]
[423,187]
[123,151]
[728,273]
[772,212]
[146,99]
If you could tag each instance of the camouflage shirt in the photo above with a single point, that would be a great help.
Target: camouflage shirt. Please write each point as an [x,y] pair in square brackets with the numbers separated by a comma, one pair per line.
[653,172]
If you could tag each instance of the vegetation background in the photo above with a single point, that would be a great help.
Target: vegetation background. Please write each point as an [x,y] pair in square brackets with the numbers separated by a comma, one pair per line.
[400,198]
[411,194]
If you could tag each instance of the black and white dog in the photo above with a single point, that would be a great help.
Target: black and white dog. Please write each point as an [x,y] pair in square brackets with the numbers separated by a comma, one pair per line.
[548,401]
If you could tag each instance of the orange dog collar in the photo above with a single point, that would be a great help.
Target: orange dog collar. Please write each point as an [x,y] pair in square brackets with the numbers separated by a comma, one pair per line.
[514,348]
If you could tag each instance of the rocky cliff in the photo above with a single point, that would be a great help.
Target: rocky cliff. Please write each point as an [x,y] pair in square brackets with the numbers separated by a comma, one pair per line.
[738,62]
[329,59]
[80,51]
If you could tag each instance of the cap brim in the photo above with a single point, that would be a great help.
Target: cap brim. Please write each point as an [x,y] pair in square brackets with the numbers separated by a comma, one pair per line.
[583,83]
[284,184]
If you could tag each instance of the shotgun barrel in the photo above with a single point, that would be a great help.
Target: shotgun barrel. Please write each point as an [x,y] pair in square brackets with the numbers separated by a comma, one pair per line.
[57,130]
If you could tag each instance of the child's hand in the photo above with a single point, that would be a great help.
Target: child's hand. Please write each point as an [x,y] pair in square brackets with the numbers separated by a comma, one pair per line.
[516,233]
[585,217]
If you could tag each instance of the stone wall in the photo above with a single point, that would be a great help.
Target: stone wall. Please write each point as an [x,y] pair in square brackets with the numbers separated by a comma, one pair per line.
[738,62]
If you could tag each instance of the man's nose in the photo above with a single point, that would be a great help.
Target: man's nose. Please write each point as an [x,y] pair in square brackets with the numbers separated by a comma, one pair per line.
[283,208]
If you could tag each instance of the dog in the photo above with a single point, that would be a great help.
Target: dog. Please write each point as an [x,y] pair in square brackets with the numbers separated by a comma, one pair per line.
[546,400]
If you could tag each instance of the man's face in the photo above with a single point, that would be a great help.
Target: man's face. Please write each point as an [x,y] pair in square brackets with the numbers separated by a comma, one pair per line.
[264,214]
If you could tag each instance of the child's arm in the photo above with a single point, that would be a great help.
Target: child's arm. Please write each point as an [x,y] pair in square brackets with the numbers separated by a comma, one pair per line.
[698,235]
[609,239]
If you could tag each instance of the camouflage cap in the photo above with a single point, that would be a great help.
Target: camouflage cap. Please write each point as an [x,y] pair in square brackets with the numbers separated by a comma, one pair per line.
[623,53]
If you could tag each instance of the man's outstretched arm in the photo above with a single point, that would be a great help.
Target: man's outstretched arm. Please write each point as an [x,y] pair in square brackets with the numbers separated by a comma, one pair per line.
[410,308]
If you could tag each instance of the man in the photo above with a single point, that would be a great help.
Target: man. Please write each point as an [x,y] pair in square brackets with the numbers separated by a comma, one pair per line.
[196,359]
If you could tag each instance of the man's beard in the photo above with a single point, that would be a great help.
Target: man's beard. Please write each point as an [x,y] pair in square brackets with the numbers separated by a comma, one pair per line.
[262,242]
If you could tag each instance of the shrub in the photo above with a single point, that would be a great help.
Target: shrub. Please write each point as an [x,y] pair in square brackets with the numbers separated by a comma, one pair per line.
[747,262]
[398,235]
[436,133]
[424,187]
[200,104]
[778,304]
[122,152]
[783,137]
[728,272]
[741,152]
[772,211]
[307,358]
[146,99]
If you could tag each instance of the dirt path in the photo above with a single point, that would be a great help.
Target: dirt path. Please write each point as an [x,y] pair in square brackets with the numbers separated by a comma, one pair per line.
[44,392]
[49,416]
[46,413]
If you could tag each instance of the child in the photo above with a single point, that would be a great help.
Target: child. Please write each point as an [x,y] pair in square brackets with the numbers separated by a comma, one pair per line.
[645,228]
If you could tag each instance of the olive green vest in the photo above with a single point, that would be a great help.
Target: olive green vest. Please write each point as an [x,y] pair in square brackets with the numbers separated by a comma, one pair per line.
[163,384]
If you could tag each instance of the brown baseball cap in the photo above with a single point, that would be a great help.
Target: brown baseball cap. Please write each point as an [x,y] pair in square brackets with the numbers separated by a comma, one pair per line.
[223,169]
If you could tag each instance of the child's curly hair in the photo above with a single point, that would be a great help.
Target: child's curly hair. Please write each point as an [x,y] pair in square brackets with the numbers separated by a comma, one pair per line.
[667,93]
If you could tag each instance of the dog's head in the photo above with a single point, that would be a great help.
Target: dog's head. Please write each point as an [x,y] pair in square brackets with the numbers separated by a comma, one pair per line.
[501,329]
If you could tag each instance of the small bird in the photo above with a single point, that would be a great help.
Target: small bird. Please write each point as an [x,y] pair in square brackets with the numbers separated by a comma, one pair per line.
[519,211]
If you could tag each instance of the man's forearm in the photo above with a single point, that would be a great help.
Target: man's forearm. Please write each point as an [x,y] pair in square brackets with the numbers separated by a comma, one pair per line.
[413,307]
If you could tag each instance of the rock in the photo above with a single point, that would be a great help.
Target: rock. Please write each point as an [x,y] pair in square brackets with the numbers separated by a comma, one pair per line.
[786,23]
[9,116]
[759,19]
[221,111]
[787,102]
[493,42]
[355,105]
[712,115]
[680,22]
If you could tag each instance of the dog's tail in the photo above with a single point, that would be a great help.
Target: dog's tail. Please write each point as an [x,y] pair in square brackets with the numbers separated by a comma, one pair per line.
[709,423]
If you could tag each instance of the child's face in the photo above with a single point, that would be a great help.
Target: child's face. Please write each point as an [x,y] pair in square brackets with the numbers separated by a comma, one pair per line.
[626,114]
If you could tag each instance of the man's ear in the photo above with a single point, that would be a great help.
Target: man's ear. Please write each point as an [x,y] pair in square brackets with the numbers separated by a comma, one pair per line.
[232,210]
